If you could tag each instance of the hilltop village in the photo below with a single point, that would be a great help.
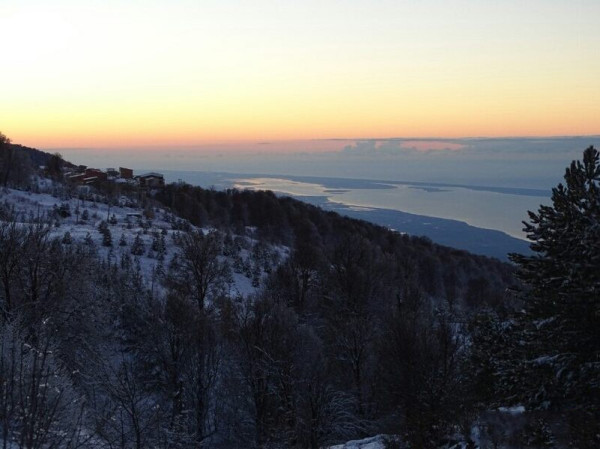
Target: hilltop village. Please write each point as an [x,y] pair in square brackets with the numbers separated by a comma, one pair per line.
[84,175]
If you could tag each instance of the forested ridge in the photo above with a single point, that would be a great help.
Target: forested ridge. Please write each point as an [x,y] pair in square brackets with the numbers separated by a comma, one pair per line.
[354,330]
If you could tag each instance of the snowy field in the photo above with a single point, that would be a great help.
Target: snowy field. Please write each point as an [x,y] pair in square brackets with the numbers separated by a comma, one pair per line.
[80,217]
[376,442]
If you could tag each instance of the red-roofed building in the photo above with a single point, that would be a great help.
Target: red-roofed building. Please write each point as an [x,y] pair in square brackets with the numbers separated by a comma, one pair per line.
[151,180]
[95,173]
[126,173]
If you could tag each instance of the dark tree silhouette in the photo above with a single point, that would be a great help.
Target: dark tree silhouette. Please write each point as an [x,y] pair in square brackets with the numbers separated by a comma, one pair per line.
[6,158]
[564,272]
[55,165]
[557,349]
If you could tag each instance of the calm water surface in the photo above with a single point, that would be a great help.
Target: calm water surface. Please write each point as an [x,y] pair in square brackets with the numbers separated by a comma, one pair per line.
[484,209]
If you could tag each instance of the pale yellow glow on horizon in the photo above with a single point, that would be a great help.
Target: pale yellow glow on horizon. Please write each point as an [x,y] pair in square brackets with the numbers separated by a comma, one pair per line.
[84,74]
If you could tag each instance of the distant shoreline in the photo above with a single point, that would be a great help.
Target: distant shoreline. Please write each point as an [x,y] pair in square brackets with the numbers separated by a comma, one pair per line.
[446,231]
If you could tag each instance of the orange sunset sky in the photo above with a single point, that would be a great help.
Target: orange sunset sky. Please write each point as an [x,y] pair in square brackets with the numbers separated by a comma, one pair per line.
[152,73]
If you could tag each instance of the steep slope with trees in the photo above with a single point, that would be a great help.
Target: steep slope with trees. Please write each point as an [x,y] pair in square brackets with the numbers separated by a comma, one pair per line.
[352,331]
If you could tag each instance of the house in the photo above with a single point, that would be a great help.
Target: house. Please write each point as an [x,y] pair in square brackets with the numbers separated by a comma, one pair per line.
[90,180]
[126,173]
[95,173]
[112,172]
[76,178]
[151,180]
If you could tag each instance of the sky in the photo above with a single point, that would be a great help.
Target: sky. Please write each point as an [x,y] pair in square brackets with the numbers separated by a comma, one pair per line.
[229,75]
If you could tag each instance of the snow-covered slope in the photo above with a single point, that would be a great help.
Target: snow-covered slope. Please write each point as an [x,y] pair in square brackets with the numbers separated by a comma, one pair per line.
[376,442]
[79,218]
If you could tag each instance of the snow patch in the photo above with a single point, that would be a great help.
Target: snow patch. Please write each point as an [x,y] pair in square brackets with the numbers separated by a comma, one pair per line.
[514,410]
[376,442]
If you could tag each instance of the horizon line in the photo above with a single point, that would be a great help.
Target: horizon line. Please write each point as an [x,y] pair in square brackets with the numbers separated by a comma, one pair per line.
[332,139]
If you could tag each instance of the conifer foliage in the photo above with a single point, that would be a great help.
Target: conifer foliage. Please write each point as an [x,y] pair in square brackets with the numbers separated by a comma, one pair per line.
[564,273]
[566,237]
[561,325]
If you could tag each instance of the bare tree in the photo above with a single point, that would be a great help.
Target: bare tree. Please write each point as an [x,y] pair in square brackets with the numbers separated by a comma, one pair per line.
[131,414]
[198,271]
[11,243]
[420,360]
[353,339]
[189,362]
[38,405]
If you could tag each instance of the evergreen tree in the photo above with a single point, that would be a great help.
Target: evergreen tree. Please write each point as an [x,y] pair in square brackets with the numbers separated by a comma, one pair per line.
[107,238]
[137,247]
[155,242]
[64,210]
[162,248]
[559,337]
[102,227]
[564,273]
[106,235]
[67,240]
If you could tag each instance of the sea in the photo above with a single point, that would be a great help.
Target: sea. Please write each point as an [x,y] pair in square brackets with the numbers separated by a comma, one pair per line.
[482,219]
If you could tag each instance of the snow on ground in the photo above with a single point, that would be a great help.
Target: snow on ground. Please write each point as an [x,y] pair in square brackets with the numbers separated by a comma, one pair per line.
[80,218]
[514,410]
[376,442]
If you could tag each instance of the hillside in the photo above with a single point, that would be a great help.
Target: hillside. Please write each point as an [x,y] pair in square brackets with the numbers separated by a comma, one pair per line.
[147,236]
[170,295]
[178,316]
[35,156]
